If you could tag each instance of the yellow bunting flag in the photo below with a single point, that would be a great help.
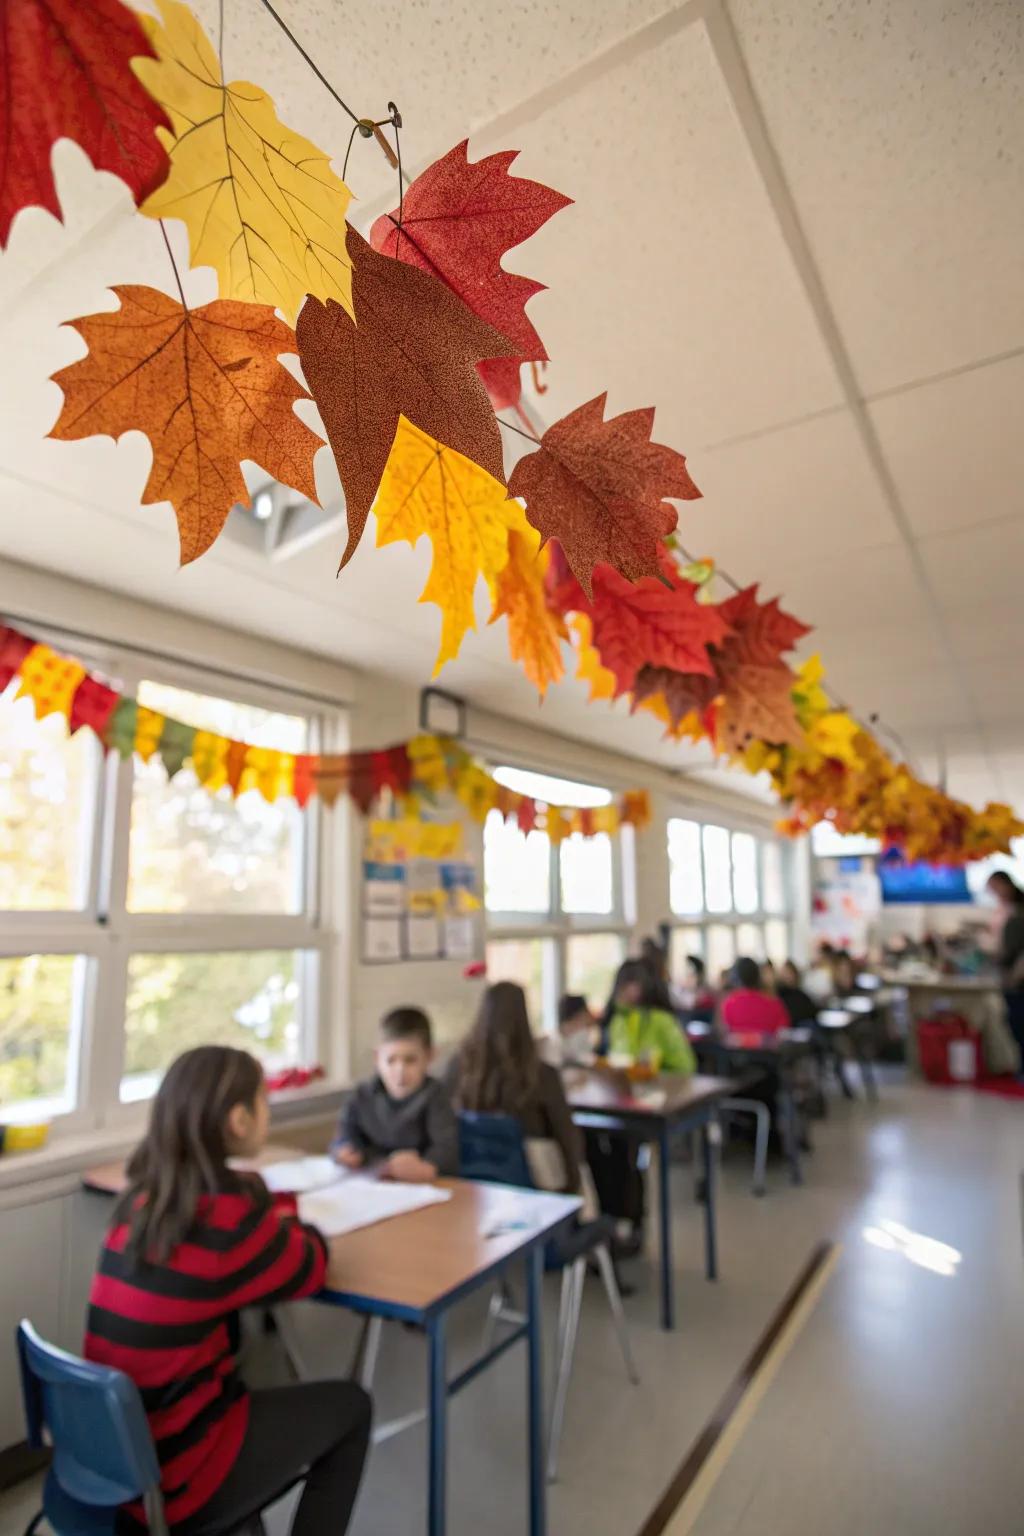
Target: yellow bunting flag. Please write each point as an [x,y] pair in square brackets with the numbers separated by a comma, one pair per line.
[50,681]
[636,808]
[209,760]
[430,769]
[149,727]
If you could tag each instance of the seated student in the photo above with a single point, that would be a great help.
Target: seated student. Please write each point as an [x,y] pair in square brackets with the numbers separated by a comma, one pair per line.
[748,1009]
[577,1030]
[193,1241]
[696,999]
[797,1002]
[641,1024]
[497,1071]
[401,1117]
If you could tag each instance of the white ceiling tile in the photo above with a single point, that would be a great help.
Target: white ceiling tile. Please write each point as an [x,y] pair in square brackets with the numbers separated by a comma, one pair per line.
[898,125]
[956,447]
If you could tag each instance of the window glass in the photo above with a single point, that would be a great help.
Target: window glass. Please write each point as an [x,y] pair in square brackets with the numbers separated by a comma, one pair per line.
[192,851]
[683,942]
[587,881]
[591,961]
[517,868]
[744,872]
[776,940]
[774,879]
[717,869]
[750,941]
[721,951]
[530,962]
[686,890]
[244,998]
[40,1003]
[48,782]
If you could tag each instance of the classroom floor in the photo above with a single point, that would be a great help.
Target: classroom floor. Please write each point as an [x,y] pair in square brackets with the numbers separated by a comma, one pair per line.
[896,1408]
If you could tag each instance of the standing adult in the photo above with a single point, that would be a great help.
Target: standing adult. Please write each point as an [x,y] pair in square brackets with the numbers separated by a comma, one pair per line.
[1011,950]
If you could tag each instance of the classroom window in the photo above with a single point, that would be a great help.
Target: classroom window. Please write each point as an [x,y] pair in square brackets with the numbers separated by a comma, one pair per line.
[717,869]
[141,915]
[251,999]
[555,914]
[529,963]
[728,895]
[40,1004]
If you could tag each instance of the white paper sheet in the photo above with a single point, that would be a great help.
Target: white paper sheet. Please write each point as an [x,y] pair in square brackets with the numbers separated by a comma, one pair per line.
[359,1201]
[299,1175]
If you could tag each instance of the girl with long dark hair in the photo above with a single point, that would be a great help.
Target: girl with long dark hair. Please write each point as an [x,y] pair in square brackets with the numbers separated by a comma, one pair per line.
[640,1022]
[499,1072]
[1011,950]
[193,1241]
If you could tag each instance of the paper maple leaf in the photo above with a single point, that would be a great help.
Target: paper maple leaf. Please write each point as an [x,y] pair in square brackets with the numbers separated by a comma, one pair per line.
[756,703]
[534,632]
[458,220]
[413,354]
[762,631]
[597,487]
[261,203]
[684,693]
[65,72]
[429,489]
[589,669]
[206,388]
[642,623]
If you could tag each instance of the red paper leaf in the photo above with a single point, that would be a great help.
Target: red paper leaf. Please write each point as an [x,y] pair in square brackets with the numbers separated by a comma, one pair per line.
[413,354]
[501,378]
[65,72]
[597,487]
[684,692]
[14,647]
[645,623]
[458,220]
[93,704]
[761,631]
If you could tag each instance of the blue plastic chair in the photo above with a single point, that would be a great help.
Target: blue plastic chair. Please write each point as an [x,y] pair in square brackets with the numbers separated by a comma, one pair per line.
[492,1149]
[103,1455]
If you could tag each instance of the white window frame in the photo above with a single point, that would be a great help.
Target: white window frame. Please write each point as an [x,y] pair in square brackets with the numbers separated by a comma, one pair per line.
[557,926]
[705,919]
[107,934]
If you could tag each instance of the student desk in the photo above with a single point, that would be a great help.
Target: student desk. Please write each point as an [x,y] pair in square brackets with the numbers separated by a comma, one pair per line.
[655,1111]
[416,1267]
[749,1054]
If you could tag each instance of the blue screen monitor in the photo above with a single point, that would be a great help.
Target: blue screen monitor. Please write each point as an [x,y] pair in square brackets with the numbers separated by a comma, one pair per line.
[904,882]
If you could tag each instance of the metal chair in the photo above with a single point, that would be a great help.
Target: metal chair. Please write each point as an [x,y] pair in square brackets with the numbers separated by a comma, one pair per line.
[103,1454]
[492,1148]
[763,1117]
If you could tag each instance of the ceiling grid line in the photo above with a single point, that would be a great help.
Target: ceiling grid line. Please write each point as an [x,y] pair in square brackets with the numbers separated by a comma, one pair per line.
[736,75]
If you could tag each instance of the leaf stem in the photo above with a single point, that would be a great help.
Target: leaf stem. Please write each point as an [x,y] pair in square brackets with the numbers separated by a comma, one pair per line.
[174,264]
[511,426]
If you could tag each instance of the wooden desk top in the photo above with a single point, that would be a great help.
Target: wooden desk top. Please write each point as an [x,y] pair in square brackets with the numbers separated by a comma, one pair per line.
[596,1090]
[412,1265]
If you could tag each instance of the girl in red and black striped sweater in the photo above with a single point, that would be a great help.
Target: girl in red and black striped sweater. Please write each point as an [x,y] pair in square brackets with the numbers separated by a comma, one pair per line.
[192,1242]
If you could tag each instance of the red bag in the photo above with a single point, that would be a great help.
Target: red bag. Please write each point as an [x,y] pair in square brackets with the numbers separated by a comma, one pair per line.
[934,1038]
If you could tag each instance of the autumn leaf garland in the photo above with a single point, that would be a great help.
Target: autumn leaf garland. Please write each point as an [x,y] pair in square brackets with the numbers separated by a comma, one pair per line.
[401,340]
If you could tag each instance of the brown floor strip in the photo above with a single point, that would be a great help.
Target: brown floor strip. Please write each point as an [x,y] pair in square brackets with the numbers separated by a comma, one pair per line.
[713,1430]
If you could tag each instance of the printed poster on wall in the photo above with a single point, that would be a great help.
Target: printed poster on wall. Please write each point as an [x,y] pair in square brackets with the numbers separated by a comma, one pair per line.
[420,892]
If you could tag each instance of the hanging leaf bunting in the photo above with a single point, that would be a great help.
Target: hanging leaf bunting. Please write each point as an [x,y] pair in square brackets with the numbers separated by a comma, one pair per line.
[641,623]
[430,489]
[535,633]
[65,73]
[207,389]
[412,354]
[458,220]
[598,486]
[683,693]
[261,203]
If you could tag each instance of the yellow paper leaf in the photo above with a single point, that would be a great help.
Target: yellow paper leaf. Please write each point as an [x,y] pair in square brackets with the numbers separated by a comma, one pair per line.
[261,203]
[430,489]
[835,735]
[149,726]
[534,632]
[809,697]
[50,681]
[590,670]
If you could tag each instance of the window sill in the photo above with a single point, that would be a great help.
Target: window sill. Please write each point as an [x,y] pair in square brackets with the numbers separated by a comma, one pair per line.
[66,1157]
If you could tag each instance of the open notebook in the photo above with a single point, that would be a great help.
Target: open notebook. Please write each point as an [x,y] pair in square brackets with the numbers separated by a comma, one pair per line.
[337,1200]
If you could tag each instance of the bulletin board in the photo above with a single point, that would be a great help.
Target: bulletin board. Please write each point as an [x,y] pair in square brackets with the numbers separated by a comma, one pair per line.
[420,892]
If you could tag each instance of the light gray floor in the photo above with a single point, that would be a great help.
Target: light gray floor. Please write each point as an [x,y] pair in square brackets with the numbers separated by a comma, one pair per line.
[898,1410]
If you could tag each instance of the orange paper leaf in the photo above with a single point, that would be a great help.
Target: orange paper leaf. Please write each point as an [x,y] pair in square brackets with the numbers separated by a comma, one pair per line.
[206,388]
[534,632]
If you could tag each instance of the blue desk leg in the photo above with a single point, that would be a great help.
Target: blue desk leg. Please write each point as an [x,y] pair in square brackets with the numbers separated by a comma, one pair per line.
[437,1411]
[667,1304]
[710,1236]
[535,1392]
